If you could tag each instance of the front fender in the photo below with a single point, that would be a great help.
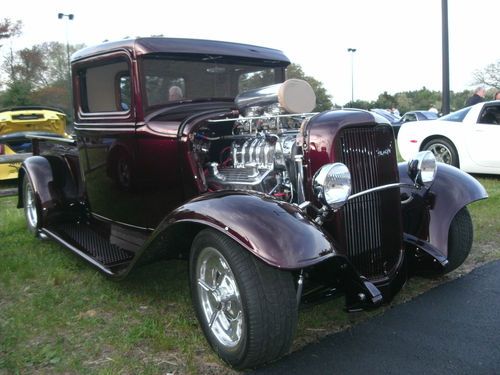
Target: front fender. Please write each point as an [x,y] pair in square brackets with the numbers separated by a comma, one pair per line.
[277,232]
[452,189]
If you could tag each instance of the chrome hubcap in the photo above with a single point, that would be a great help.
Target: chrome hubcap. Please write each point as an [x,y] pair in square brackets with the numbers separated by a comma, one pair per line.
[30,206]
[441,152]
[219,297]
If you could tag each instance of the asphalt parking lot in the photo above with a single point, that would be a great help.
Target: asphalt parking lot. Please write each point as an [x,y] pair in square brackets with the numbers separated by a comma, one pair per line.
[451,329]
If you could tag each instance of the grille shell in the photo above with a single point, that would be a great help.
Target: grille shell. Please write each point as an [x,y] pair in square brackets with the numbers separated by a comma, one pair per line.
[372,223]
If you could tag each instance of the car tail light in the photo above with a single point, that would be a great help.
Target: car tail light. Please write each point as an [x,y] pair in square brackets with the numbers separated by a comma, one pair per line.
[2,149]
[413,141]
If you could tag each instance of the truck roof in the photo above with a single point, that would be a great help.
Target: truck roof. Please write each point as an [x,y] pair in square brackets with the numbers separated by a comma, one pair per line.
[143,46]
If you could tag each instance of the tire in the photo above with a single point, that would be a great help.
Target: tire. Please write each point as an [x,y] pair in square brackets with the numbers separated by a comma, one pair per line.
[31,207]
[443,150]
[247,309]
[460,236]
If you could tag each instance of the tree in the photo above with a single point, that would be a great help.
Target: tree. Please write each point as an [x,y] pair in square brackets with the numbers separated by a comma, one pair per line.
[385,101]
[18,93]
[9,29]
[323,100]
[489,76]
[39,75]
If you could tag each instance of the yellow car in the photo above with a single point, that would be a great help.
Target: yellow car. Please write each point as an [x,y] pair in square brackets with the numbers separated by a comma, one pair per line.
[17,125]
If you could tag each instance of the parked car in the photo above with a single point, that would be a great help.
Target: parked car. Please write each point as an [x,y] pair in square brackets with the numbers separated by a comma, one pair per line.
[467,138]
[17,125]
[272,206]
[412,116]
[388,115]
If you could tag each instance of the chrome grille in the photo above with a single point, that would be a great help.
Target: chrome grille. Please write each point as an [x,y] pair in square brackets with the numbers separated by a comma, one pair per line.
[371,217]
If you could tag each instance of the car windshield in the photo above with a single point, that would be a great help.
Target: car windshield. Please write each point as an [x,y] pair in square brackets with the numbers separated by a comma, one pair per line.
[388,115]
[457,116]
[168,79]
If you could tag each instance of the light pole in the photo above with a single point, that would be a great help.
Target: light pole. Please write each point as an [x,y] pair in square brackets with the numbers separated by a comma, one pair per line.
[69,17]
[351,51]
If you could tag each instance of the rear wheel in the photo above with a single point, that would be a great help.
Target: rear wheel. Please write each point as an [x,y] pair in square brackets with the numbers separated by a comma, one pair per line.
[443,150]
[247,309]
[31,207]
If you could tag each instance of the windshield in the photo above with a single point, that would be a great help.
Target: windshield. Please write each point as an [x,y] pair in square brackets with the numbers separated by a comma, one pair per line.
[176,78]
[457,116]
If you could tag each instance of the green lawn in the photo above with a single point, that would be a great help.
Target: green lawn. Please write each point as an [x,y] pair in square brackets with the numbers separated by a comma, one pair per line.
[59,315]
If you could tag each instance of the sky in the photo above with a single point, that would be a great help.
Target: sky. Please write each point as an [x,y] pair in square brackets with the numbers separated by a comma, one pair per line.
[397,42]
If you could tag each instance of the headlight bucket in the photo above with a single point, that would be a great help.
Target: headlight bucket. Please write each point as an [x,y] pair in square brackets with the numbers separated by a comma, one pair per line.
[332,185]
[422,168]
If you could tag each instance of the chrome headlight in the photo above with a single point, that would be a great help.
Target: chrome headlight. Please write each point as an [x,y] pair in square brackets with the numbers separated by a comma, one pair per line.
[332,185]
[422,168]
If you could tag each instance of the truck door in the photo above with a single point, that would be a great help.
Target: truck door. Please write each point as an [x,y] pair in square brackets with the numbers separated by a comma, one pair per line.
[105,131]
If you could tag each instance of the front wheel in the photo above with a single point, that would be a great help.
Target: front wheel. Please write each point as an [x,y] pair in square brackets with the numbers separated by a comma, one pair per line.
[460,237]
[247,309]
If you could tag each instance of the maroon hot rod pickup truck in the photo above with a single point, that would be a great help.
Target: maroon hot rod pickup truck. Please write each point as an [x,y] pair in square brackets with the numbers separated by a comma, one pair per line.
[203,150]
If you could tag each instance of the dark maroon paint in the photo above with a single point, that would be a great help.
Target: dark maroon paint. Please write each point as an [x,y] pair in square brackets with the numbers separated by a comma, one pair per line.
[164,200]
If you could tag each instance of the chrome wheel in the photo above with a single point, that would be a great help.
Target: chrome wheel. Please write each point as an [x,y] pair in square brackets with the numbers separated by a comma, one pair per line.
[219,297]
[30,208]
[442,153]
[246,309]
[444,150]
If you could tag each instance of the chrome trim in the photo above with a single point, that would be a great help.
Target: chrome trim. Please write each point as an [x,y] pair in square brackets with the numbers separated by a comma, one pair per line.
[100,217]
[300,179]
[265,117]
[104,129]
[383,187]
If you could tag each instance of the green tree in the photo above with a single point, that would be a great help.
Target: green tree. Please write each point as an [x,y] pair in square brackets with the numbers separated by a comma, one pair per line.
[323,100]
[39,75]
[385,101]
[360,104]
[18,93]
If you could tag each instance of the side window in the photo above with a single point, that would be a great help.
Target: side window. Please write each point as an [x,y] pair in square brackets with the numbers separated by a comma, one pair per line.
[105,87]
[490,115]
[410,117]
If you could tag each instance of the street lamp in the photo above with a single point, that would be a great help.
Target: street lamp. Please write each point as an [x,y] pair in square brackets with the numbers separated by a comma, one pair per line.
[351,51]
[70,18]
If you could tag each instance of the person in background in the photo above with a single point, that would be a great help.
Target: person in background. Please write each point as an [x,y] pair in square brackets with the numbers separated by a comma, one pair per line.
[497,96]
[478,96]
[395,111]
[433,109]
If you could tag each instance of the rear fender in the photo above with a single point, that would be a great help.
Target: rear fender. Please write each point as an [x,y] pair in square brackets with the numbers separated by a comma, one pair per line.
[277,232]
[39,172]
[451,191]
[52,183]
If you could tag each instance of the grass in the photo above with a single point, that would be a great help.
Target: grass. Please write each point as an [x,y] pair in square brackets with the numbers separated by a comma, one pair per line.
[59,315]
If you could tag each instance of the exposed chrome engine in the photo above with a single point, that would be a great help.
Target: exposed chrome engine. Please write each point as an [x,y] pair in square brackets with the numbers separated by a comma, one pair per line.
[258,154]
[259,163]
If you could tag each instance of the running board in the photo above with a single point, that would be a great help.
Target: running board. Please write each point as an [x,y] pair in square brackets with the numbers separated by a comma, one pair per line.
[90,245]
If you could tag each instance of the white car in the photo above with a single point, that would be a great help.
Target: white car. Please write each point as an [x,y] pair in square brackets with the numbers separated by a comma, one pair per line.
[468,139]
